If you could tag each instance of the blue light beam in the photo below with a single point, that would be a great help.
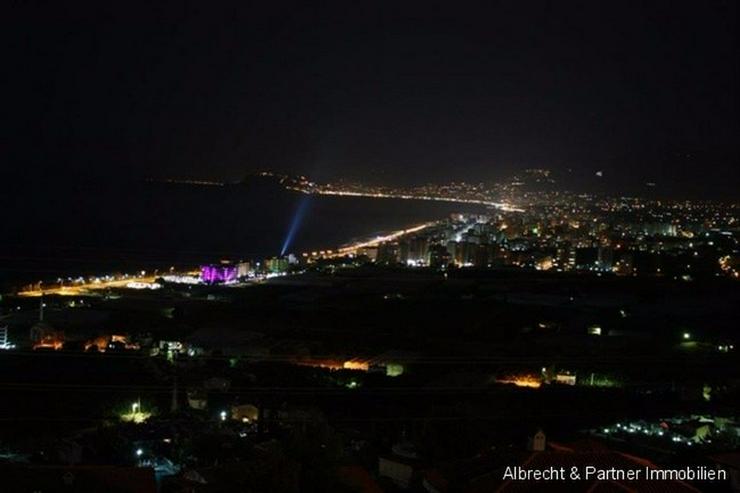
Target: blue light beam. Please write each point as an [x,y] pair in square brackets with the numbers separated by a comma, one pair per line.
[296,223]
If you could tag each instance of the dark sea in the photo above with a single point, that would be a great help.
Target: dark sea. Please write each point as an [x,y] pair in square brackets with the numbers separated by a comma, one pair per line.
[55,230]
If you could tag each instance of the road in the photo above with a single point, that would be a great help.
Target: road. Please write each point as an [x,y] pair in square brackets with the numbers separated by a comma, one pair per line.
[76,289]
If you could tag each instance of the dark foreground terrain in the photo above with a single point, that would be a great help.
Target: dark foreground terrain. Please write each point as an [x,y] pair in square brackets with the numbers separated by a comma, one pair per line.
[384,378]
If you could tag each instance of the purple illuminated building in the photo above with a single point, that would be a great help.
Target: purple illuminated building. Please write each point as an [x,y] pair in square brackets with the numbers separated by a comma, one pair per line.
[212,274]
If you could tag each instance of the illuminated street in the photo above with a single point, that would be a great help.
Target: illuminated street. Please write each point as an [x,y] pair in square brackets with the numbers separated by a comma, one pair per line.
[88,287]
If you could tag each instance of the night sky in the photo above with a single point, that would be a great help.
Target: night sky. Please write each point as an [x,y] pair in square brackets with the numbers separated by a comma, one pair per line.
[393,92]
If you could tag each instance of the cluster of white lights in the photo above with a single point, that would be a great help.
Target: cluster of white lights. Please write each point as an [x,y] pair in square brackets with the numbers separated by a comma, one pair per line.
[143,285]
[177,279]
[631,428]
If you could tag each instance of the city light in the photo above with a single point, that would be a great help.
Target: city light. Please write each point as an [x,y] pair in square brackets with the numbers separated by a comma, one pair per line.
[529,381]
[496,248]
[137,414]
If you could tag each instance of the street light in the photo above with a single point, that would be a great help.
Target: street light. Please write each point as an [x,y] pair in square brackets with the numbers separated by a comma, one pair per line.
[686,336]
